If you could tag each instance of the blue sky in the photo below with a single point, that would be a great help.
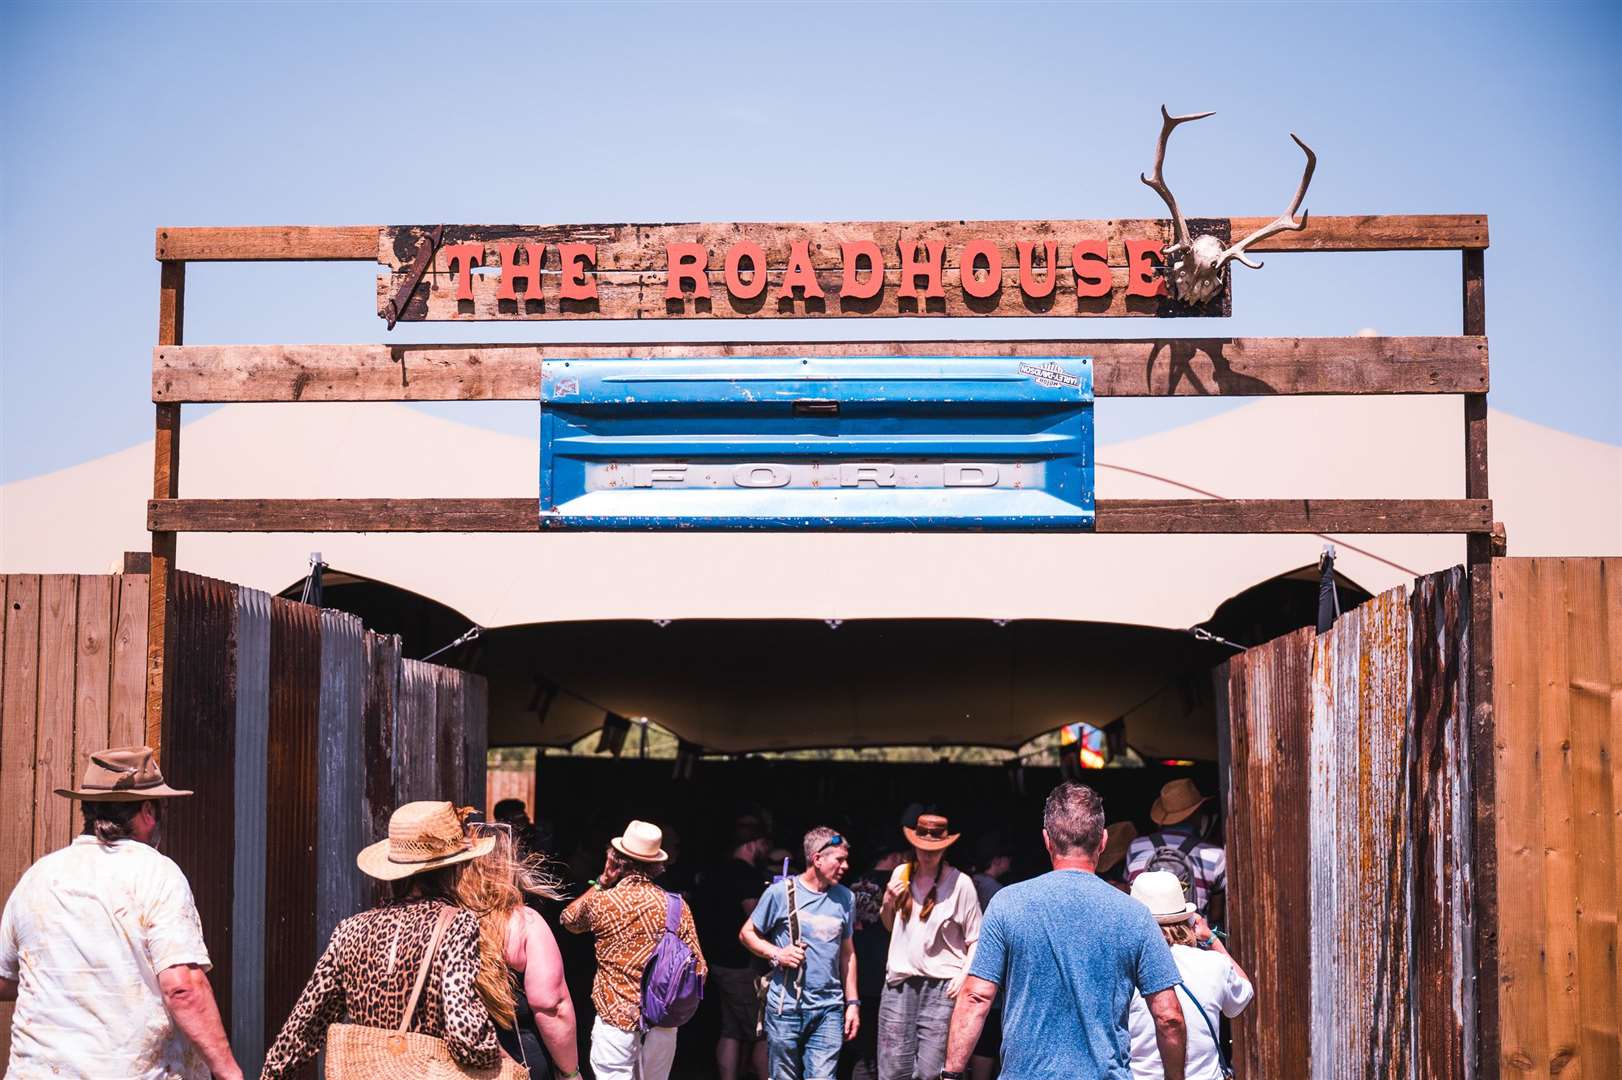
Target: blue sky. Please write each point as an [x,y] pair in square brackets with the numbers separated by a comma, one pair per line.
[121,118]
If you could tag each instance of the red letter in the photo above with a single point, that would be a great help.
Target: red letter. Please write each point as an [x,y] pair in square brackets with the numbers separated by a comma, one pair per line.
[1027,272]
[746,249]
[849,252]
[469,255]
[799,273]
[577,284]
[688,262]
[1091,261]
[512,269]
[912,269]
[973,251]
[1142,271]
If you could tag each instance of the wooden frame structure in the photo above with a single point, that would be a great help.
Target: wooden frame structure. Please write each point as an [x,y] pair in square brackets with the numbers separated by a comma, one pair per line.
[1160,366]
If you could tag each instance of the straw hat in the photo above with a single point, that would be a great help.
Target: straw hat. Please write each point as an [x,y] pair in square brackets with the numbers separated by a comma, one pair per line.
[1178,801]
[1118,837]
[423,836]
[122,774]
[1162,894]
[642,841]
[935,824]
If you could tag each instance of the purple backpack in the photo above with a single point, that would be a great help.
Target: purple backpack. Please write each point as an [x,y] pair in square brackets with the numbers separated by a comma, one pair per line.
[671,984]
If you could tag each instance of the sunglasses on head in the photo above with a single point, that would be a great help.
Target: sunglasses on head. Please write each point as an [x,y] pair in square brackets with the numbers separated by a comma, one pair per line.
[833,841]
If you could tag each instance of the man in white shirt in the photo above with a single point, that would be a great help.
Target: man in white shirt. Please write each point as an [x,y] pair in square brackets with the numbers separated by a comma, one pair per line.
[102,950]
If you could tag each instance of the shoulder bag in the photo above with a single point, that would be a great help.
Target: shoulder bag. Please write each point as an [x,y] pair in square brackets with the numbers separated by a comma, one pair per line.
[1216,1039]
[357,1052]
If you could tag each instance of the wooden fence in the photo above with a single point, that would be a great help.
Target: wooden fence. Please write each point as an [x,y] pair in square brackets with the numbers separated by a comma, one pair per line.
[73,679]
[1558,641]
[298,729]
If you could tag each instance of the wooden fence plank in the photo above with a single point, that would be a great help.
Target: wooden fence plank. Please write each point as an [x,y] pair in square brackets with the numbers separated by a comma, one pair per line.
[1114,515]
[92,668]
[1613,618]
[1594,818]
[53,745]
[126,724]
[1200,367]
[1560,860]
[18,724]
[1523,967]
[6,880]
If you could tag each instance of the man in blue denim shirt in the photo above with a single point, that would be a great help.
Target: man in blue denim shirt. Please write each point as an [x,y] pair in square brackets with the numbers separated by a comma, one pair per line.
[809,1016]
[1068,950]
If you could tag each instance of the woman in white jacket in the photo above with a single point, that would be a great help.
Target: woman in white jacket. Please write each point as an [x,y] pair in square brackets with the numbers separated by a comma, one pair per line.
[1213,984]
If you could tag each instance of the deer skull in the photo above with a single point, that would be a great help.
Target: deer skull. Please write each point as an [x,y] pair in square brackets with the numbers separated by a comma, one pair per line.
[1194,264]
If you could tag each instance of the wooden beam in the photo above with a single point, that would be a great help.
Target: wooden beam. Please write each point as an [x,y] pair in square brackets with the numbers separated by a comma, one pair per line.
[1196,367]
[269,243]
[1483,727]
[359,243]
[1114,515]
[165,485]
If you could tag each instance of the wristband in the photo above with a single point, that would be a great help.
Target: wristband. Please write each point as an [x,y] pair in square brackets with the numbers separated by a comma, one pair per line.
[852,1001]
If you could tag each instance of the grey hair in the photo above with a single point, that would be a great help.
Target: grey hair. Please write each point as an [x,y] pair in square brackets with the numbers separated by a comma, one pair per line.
[815,839]
[1074,819]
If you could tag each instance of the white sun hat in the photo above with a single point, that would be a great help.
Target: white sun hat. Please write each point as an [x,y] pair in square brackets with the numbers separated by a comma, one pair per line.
[1162,894]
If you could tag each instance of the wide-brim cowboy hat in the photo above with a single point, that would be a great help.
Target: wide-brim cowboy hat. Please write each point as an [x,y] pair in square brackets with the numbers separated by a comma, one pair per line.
[1118,838]
[1178,801]
[931,822]
[122,774]
[642,841]
[423,836]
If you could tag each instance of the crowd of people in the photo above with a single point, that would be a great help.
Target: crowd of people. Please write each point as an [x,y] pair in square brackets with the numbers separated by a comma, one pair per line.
[921,966]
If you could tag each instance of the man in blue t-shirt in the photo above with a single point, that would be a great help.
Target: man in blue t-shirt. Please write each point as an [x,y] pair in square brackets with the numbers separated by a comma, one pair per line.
[1067,951]
[812,1006]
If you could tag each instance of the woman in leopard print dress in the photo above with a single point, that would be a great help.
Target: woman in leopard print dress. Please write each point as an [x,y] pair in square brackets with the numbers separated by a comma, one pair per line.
[366,974]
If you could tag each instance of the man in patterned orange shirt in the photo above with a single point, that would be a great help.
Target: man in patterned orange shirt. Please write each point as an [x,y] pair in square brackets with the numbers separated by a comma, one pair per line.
[626,912]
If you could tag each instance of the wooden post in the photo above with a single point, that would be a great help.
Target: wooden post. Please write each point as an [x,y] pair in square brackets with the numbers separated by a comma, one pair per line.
[1478,558]
[165,485]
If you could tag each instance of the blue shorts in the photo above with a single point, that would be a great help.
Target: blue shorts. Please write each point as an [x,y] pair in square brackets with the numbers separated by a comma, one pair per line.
[803,1044]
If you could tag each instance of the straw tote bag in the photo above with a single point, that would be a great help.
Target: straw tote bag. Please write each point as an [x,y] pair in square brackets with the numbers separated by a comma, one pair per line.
[357,1052]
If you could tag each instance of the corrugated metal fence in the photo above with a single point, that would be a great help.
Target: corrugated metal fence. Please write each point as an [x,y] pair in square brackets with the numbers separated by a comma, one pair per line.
[285,720]
[301,731]
[1348,842]
[73,679]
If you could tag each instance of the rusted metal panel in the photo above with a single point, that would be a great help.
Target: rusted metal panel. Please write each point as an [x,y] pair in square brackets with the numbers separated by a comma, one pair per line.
[1442,833]
[476,732]
[290,895]
[449,718]
[382,660]
[416,746]
[1267,702]
[1360,854]
[199,750]
[340,888]
[248,869]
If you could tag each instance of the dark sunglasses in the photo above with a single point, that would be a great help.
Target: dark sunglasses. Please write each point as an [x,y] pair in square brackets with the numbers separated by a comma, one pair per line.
[833,841]
[937,832]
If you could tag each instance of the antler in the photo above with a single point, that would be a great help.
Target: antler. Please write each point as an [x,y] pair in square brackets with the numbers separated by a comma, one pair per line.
[1287,223]
[1181,239]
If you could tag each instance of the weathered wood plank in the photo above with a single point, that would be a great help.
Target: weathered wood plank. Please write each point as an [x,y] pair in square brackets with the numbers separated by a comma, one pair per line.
[316,243]
[1121,368]
[126,717]
[165,485]
[1594,817]
[92,667]
[1371,232]
[1560,859]
[1523,968]
[53,745]
[643,296]
[18,724]
[7,876]
[1114,515]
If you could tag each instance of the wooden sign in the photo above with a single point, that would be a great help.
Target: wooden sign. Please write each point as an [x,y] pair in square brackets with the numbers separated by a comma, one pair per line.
[737,271]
